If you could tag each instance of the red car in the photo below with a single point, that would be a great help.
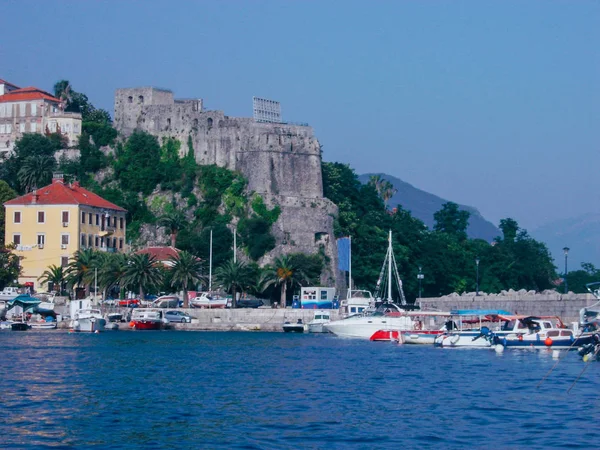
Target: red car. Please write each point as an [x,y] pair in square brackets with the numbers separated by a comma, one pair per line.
[129,303]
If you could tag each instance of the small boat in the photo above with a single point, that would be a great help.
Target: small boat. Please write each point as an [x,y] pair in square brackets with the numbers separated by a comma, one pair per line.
[9,293]
[19,326]
[316,325]
[43,325]
[114,317]
[421,332]
[468,329]
[297,327]
[538,332]
[210,301]
[148,319]
[85,318]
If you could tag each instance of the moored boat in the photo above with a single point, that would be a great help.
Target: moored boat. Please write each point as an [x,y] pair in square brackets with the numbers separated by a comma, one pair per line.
[466,329]
[148,319]
[297,327]
[537,332]
[320,319]
[210,301]
[86,318]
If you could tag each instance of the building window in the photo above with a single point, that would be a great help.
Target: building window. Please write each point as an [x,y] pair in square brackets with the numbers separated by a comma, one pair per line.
[17,239]
[90,218]
[64,239]
[121,223]
[33,127]
[17,217]
[141,99]
[22,109]
[130,99]
[64,261]
[114,242]
[34,110]
[96,240]
[115,222]
[41,217]
[121,243]
[22,127]
[65,217]
[83,240]
[101,242]
[97,220]
[90,240]
[209,123]
[82,217]
[8,130]
[41,240]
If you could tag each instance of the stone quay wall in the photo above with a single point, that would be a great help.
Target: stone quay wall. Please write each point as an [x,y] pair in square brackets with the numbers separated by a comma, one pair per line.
[242,319]
[547,303]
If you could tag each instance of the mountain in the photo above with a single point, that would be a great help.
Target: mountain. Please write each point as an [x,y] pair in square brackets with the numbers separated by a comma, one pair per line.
[582,236]
[424,205]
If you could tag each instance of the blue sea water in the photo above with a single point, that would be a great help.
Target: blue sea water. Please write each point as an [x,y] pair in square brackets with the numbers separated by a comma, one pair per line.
[192,390]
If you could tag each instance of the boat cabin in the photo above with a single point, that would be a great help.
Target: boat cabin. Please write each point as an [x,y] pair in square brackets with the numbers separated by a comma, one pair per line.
[317,297]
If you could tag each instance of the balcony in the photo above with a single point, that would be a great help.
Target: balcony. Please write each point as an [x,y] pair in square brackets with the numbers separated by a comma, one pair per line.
[107,249]
[107,231]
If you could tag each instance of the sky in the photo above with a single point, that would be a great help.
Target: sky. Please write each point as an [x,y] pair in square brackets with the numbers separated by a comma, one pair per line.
[493,104]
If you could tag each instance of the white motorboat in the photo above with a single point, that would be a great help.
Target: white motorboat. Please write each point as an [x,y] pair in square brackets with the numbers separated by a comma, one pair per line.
[148,319]
[8,293]
[320,319]
[85,318]
[386,316]
[297,327]
[43,325]
[210,301]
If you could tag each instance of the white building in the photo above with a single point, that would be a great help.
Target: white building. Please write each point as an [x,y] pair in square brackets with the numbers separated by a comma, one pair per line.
[32,110]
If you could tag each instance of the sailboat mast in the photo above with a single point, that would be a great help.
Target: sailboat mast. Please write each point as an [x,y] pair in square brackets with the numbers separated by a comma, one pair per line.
[210,265]
[390,267]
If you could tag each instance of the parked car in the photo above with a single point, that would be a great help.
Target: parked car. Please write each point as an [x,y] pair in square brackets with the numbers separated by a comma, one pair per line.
[178,316]
[249,303]
[129,303]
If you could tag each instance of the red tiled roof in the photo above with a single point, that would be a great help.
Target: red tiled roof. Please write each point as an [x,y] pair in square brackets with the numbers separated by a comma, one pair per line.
[58,193]
[27,93]
[10,84]
[160,253]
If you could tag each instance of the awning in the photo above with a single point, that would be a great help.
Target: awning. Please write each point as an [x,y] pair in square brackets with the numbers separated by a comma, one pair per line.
[25,301]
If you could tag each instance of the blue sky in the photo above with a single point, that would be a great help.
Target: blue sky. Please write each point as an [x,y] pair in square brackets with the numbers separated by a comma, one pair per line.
[494,104]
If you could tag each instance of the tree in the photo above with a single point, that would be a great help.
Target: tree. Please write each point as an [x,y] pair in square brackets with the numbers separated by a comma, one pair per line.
[234,277]
[6,194]
[111,269]
[174,221]
[452,221]
[284,273]
[10,268]
[62,91]
[143,272]
[384,188]
[138,165]
[509,228]
[36,172]
[81,269]
[55,275]
[185,273]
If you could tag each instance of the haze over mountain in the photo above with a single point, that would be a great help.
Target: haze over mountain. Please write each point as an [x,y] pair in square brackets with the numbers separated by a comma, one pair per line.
[582,236]
[424,205]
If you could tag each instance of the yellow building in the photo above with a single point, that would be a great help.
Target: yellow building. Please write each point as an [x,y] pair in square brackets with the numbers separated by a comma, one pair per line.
[50,224]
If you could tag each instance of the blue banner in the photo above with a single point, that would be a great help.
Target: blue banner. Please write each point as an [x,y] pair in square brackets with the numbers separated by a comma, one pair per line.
[343,245]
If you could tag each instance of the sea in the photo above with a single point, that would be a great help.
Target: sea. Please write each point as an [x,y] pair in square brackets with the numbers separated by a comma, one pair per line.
[253,390]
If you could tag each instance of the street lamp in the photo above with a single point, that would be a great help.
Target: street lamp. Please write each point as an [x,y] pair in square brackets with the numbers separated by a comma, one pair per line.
[566,250]
[420,276]
[477,279]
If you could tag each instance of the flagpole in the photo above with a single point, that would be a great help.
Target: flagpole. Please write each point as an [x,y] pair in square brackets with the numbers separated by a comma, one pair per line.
[210,265]
[349,266]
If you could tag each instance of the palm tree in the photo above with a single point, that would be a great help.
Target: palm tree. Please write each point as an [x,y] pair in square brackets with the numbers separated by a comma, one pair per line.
[142,271]
[36,171]
[185,273]
[234,276]
[111,268]
[285,272]
[81,269]
[384,188]
[174,221]
[55,275]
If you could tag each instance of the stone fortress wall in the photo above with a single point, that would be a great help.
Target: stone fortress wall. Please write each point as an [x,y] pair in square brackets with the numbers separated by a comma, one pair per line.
[282,162]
